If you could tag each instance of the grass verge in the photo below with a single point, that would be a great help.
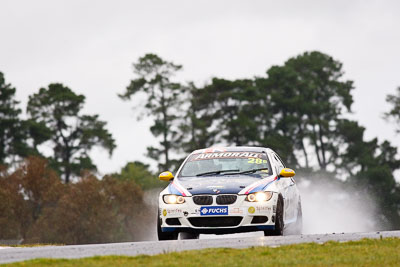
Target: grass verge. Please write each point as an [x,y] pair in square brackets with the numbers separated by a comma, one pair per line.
[367,252]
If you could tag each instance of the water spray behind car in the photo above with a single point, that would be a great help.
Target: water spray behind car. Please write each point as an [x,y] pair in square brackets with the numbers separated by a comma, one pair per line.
[330,206]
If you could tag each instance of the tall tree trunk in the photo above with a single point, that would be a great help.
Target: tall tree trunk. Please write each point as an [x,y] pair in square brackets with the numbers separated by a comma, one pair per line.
[193,132]
[322,147]
[165,130]
[305,153]
[302,145]
[67,159]
[315,140]
[2,151]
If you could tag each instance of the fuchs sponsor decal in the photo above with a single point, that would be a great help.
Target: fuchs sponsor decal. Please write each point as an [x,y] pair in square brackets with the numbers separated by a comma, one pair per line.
[226,155]
[215,210]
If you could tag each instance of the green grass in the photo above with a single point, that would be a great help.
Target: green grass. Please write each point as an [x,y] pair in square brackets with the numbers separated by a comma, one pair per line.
[367,252]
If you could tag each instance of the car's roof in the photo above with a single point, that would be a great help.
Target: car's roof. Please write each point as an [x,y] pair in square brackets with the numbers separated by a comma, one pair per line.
[231,149]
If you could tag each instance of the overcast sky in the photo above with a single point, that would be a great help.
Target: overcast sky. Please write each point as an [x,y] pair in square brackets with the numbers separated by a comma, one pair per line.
[89,46]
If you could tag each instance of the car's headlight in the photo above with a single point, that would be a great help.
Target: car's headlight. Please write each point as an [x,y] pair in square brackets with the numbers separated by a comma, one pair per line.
[173,199]
[259,197]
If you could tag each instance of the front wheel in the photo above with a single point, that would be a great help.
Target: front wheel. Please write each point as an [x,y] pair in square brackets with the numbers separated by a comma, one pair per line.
[164,235]
[279,224]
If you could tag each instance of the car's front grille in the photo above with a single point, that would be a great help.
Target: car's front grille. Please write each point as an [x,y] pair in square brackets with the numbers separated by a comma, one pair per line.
[226,199]
[215,221]
[203,200]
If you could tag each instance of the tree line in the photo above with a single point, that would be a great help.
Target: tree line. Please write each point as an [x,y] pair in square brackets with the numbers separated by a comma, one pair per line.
[37,207]
[300,109]
[53,195]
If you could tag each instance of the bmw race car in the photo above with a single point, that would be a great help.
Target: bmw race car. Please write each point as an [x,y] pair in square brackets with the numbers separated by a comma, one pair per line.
[229,190]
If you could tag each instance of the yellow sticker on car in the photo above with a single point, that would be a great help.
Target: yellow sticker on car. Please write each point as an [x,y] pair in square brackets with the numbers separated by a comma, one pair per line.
[256,161]
[251,210]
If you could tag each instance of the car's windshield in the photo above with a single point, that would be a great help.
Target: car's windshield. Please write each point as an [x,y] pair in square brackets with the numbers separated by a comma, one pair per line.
[225,163]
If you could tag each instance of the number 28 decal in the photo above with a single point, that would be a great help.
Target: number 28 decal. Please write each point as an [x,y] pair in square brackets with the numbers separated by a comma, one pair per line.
[256,161]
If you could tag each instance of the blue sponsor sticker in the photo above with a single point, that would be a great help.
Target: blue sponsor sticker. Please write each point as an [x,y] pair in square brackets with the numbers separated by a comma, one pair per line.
[214,210]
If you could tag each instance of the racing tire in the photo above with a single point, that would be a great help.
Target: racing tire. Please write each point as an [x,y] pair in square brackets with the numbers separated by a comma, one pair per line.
[185,235]
[279,223]
[164,235]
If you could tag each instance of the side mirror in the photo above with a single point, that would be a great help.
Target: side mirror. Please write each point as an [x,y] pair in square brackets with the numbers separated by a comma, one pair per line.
[166,176]
[286,172]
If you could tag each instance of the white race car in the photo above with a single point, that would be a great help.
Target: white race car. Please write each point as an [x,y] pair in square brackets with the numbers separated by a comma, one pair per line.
[229,190]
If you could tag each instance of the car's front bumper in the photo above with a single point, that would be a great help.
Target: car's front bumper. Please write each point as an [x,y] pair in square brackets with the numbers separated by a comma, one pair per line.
[241,216]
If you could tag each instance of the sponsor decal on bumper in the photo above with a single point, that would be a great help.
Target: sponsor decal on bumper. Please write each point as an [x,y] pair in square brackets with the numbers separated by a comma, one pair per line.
[214,210]
[259,210]
[172,212]
[263,209]
[235,211]
[251,210]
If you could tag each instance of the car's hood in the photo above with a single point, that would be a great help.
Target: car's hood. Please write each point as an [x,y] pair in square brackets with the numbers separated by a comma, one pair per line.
[217,184]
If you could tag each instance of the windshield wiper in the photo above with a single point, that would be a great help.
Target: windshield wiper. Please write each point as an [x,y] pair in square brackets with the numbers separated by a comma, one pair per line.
[215,172]
[252,171]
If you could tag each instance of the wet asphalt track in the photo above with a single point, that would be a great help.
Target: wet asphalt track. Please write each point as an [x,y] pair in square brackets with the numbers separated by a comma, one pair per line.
[154,247]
